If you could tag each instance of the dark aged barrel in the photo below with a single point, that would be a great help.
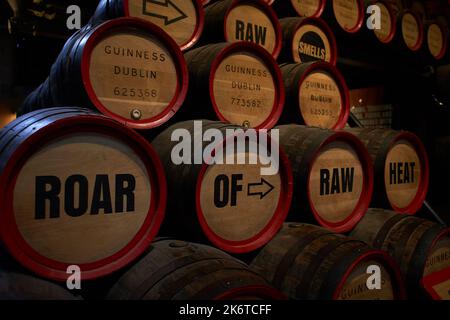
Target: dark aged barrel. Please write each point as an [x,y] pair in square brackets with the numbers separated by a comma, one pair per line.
[436,40]
[388,21]
[307,262]
[17,286]
[177,270]
[420,247]
[346,15]
[306,40]
[127,69]
[77,188]
[410,30]
[238,83]
[333,178]
[316,95]
[238,207]
[182,19]
[243,20]
[401,168]
[301,8]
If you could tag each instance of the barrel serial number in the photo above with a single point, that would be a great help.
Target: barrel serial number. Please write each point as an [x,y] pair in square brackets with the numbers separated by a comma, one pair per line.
[135,93]
[247,103]
[321,112]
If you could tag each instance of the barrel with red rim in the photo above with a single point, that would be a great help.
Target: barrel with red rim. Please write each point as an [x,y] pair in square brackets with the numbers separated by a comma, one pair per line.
[420,247]
[401,168]
[236,206]
[127,68]
[182,19]
[436,40]
[67,173]
[411,30]
[346,15]
[240,84]
[243,20]
[301,8]
[306,40]
[388,21]
[333,179]
[178,270]
[307,262]
[316,95]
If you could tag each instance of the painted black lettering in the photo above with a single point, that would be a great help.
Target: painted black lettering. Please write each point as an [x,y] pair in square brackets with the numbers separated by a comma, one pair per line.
[47,189]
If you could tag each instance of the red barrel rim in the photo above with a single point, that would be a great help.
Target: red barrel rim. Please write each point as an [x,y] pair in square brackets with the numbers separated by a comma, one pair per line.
[271,64]
[259,4]
[272,227]
[418,146]
[319,11]
[198,28]
[321,24]
[444,40]
[368,183]
[51,269]
[419,43]
[345,94]
[393,18]
[180,65]
[261,291]
[444,233]
[360,22]
[386,261]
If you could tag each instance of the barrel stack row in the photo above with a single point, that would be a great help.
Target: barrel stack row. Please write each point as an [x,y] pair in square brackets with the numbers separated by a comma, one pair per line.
[90,174]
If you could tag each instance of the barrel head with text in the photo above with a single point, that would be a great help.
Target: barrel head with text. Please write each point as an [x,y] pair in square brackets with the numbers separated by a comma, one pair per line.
[77,189]
[229,202]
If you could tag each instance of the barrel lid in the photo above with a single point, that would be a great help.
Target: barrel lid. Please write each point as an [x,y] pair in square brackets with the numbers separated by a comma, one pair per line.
[312,8]
[134,96]
[437,40]
[357,156]
[411,30]
[252,55]
[19,232]
[183,20]
[388,22]
[255,15]
[349,14]
[265,199]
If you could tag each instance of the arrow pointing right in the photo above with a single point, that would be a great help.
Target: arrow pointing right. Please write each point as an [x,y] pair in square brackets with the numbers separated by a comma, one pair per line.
[263,188]
[163,9]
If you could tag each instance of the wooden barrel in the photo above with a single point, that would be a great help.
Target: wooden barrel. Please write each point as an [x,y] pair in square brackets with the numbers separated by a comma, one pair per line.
[183,20]
[304,8]
[388,24]
[127,69]
[243,20]
[235,206]
[306,40]
[307,262]
[316,95]
[333,179]
[410,30]
[401,168]
[436,40]
[17,286]
[238,83]
[178,270]
[77,188]
[346,15]
[419,246]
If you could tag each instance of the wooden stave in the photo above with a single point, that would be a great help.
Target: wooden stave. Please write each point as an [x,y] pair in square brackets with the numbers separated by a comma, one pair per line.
[319,280]
[182,218]
[293,75]
[308,142]
[202,62]
[177,270]
[113,9]
[377,228]
[215,17]
[71,85]
[291,24]
[378,142]
[21,138]
[284,9]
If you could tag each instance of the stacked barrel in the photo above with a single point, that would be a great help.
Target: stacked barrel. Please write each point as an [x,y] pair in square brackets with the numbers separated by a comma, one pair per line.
[92,184]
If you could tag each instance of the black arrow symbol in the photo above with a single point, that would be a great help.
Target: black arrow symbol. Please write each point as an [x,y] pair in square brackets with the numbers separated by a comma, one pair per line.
[171,12]
[259,191]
